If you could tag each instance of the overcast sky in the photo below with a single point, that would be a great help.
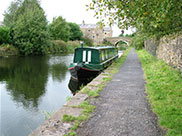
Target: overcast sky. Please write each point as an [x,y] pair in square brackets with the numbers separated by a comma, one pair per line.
[71,10]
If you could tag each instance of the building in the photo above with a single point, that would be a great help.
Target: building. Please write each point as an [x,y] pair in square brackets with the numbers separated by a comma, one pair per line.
[95,32]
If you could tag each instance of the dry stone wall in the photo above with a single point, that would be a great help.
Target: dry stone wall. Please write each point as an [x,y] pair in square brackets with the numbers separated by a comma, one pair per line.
[167,48]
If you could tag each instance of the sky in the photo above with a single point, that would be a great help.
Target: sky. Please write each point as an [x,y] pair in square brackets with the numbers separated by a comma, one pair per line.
[71,10]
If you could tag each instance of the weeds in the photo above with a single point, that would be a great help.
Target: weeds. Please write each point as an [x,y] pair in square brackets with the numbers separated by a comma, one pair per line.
[47,115]
[68,98]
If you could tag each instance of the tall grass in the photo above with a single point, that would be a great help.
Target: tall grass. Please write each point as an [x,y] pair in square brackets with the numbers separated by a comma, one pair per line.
[164,88]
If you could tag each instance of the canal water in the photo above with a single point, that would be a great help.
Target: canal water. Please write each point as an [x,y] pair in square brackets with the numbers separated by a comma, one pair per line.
[29,88]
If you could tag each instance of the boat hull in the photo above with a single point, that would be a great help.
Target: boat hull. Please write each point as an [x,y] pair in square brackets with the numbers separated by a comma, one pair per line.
[83,74]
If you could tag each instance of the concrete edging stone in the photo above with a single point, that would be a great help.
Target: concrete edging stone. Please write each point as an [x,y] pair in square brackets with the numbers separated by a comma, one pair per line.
[54,126]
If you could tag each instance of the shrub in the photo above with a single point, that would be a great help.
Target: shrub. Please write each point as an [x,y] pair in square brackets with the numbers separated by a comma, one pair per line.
[71,45]
[57,46]
[88,42]
[4,35]
[138,41]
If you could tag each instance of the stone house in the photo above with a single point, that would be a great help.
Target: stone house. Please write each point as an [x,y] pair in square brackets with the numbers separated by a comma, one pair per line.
[95,32]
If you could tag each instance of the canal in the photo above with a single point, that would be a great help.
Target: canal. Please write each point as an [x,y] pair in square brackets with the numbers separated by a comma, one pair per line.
[30,87]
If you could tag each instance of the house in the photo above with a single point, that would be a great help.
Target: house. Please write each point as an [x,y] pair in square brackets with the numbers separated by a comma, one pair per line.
[95,32]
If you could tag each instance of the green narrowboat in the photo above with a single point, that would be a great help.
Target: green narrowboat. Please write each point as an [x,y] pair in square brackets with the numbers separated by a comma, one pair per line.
[88,62]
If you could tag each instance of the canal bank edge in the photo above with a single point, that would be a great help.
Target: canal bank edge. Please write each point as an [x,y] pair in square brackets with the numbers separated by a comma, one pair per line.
[55,126]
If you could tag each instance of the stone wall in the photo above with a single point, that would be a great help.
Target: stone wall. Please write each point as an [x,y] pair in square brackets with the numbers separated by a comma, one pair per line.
[151,46]
[168,49]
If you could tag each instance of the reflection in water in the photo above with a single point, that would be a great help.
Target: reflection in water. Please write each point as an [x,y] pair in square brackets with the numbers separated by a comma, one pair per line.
[75,85]
[29,85]
[58,71]
[25,78]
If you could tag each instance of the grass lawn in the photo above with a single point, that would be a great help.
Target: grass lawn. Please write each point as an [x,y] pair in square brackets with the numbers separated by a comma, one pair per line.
[164,89]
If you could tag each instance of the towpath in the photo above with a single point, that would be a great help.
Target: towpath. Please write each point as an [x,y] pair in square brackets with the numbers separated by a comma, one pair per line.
[122,108]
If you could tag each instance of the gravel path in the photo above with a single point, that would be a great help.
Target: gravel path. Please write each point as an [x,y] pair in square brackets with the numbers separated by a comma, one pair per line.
[122,108]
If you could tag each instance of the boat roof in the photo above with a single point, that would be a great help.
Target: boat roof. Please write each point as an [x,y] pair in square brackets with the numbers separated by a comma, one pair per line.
[97,48]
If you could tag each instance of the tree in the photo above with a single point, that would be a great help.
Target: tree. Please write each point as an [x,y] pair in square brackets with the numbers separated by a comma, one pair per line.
[75,32]
[59,29]
[155,17]
[30,33]
[10,13]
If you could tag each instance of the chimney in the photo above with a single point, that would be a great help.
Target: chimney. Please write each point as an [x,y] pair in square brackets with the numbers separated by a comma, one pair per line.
[83,22]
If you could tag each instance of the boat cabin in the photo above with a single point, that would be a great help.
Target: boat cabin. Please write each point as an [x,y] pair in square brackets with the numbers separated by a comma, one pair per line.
[94,55]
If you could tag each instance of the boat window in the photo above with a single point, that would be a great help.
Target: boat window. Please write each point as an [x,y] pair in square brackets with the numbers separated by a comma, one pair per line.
[103,55]
[89,56]
[84,56]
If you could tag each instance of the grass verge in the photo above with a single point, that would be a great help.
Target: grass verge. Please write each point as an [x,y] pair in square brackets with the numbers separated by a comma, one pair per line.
[164,89]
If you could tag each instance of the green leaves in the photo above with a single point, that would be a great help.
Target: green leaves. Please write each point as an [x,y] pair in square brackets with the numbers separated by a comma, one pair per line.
[4,35]
[30,33]
[155,17]
[59,29]
[75,32]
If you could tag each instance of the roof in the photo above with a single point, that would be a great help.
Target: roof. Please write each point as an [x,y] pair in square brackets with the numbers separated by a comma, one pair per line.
[88,25]
[94,26]
[97,48]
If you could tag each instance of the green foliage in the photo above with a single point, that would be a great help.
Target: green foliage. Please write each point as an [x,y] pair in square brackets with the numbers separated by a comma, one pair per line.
[30,33]
[4,35]
[107,42]
[57,46]
[68,98]
[164,89]
[70,134]
[59,29]
[68,118]
[155,17]
[7,49]
[71,45]
[75,32]
[87,108]
[10,14]
[107,79]
[87,41]
[127,35]
[138,41]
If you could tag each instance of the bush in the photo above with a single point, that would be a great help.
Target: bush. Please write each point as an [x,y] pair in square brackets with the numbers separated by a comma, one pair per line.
[88,42]
[57,46]
[138,41]
[71,45]
[4,35]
